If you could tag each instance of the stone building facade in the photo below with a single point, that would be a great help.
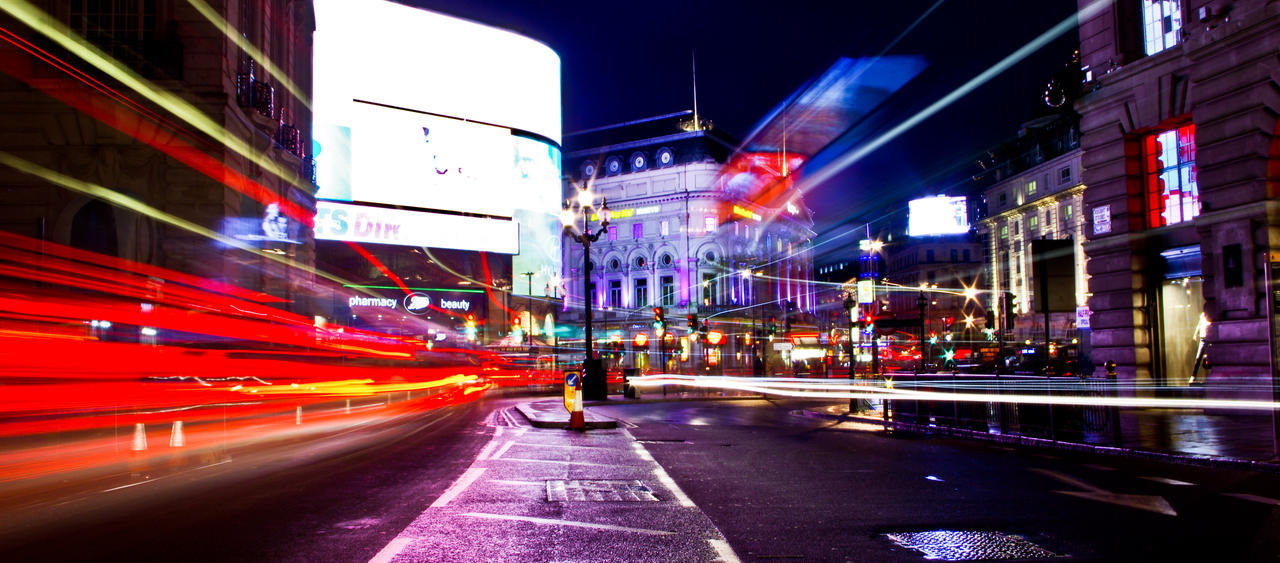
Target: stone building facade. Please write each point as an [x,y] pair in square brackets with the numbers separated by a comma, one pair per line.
[1180,166]
[200,118]
[679,242]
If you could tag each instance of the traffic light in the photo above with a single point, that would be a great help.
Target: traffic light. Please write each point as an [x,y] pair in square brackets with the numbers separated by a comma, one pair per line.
[1010,305]
[693,322]
[990,320]
[659,318]
[773,326]
[948,322]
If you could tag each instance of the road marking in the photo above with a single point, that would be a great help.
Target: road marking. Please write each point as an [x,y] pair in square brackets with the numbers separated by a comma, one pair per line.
[1168,481]
[154,479]
[661,473]
[724,552]
[391,550]
[504,449]
[1254,498]
[468,477]
[561,461]
[572,447]
[519,483]
[484,452]
[1151,503]
[570,523]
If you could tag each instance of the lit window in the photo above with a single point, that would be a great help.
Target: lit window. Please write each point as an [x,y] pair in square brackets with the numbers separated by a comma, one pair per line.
[708,224]
[637,231]
[666,228]
[1066,213]
[1034,222]
[1031,187]
[1161,24]
[613,232]
[1170,176]
[1004,231]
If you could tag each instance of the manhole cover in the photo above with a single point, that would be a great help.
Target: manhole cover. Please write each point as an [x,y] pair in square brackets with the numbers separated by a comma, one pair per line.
[604,490]
[953,545]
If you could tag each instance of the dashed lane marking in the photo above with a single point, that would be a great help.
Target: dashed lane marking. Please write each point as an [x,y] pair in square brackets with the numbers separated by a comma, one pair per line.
[1168,481]
[561,461]
[661,473]
[1254,498]
[724,552]
[391,550]
[468,477]
[571,523]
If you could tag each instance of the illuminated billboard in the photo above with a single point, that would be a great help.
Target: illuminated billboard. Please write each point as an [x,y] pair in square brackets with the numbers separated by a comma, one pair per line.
[452,120]
[934,216]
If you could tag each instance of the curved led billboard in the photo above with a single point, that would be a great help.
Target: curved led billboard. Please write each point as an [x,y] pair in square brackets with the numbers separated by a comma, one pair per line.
[445,118]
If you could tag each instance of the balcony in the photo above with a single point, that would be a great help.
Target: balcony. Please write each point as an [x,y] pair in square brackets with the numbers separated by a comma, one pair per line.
[255,94]
[290,139]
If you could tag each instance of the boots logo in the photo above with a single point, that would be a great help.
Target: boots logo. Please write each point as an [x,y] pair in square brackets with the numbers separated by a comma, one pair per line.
[417,303]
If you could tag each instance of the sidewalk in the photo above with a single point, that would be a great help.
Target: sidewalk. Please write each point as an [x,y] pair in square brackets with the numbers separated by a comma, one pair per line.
[1236,441]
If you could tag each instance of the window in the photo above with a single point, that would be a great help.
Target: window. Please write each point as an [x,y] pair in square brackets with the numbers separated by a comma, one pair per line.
[1034,222]
[613,232]
[667,284]
[955,255]
[709,289]
[1161,24]
[966,255]
[928,256]
[641,295]
[615,293]
[1031,187]
[709,224]
[666,260]
[1004,199]
[1064,175]
[665,228]
[1170,176]
[1004,231]
[637,231]
[1066,214]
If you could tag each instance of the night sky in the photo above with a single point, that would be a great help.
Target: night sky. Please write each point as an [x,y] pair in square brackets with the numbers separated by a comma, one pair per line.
[625,61]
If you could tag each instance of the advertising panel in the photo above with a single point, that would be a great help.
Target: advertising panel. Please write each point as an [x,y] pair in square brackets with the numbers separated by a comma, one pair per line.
[934,216]
[418,109]
[375,225]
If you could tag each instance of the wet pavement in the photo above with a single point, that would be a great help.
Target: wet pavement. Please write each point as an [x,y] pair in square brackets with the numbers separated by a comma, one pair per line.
[548,494]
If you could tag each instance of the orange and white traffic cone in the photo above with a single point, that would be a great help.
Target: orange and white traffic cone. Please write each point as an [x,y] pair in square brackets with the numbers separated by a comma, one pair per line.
[577,420]
[139,437]
[176,437]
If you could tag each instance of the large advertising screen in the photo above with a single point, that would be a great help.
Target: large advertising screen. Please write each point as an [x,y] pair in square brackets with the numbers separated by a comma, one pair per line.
[935,216]
[453,120]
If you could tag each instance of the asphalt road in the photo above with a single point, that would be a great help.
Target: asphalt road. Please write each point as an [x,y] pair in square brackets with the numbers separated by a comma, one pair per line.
[754,474]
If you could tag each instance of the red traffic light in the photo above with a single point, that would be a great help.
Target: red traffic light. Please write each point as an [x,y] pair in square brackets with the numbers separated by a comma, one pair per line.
[515,321]
[640,339]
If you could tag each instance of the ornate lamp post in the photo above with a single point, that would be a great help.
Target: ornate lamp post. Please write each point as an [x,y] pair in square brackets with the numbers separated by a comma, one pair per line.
[593,379]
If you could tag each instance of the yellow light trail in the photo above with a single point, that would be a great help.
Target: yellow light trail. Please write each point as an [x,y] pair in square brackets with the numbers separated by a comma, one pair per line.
[252,50]
[55,30]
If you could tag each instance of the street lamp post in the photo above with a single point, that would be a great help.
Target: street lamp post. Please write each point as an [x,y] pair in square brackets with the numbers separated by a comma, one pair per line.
[922,303]
[849,304]
[593,379]
[529,307]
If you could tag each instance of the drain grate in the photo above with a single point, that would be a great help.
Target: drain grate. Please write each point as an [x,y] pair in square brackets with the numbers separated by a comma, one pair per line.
[953,545]
[600,491]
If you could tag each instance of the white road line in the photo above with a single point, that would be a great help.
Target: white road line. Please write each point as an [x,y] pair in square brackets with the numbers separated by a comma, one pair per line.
[661,473]
[484,452]
[468,477]
[570,523]
[154,479]
[562,461]
[536,445]
[518,483]
[504,449]
[1167,481]
[391,550]
[1254,498]
[724,552]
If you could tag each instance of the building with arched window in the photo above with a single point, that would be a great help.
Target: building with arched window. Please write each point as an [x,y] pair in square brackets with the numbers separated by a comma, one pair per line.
[680,241]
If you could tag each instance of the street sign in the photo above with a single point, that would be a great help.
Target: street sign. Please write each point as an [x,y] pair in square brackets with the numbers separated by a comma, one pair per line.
[1082,317]
[572,379]
[782,346]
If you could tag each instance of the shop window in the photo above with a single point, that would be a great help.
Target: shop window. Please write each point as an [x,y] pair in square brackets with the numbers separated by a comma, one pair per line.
[1161,24]
[1170,176]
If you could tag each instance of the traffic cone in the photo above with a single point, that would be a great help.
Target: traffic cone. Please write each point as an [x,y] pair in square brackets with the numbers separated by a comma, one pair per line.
[297,417]
[577,420]
[176,438]
[139,437]
[348,406]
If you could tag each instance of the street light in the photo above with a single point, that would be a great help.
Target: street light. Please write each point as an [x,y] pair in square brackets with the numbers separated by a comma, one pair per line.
[593,379]
[922,303]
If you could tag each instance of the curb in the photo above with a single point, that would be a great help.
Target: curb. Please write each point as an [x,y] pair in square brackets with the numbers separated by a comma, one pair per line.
[535,422]
[1186,459]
